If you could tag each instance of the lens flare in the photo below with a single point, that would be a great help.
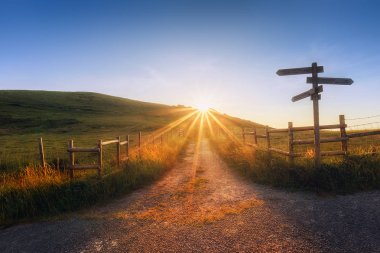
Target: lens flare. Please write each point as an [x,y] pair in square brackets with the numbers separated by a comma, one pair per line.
[203,108]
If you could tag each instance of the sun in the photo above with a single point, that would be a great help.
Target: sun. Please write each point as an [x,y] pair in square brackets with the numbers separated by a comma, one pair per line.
[203,107]
[204,102]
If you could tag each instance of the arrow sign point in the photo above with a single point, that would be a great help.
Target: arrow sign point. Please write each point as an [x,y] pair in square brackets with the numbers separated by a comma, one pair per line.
[298,71]
[331,80]
[308,93]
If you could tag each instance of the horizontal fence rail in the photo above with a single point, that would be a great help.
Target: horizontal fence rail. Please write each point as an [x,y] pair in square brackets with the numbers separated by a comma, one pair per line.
[322,140]
[305,128]
[363,134]
[104,143]
[75,149]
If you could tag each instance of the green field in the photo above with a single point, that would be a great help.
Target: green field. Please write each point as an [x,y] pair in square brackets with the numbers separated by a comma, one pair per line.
[60,116]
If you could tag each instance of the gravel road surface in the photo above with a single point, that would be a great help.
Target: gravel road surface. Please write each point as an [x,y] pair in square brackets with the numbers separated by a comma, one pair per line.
[202,206]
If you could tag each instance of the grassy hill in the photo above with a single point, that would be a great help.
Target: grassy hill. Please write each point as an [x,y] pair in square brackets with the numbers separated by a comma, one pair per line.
[84,117]
[61,116]
[61,112]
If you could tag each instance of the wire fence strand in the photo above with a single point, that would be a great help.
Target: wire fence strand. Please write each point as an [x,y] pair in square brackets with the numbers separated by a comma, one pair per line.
[368,117]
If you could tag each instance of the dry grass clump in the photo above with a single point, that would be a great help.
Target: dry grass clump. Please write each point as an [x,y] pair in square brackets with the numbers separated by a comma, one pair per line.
[360,170]
[32,176]
[187,212]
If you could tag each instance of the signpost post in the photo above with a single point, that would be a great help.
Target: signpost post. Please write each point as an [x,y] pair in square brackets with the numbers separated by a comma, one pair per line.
[315,96]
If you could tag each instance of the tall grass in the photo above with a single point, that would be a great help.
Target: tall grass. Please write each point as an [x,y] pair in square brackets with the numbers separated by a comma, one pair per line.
[35,192]
[358,171]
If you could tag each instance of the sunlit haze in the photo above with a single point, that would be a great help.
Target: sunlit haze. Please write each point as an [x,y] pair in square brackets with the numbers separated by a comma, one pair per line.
[205,54]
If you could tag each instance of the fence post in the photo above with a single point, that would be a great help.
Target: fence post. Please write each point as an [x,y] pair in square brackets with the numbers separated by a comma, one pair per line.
[268,137]
[118,151]
[71,158]
[254,136]
[100,158]
[291,147]
[42,154]
[140,143]
[243,133]
[127,147]
[343,133]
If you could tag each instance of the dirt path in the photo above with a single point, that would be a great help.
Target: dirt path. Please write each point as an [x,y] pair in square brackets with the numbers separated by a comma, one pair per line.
[201,206]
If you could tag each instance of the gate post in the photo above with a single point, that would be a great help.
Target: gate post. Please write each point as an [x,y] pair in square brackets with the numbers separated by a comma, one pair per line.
[290,144]
[71,158]
[268,137]
[118,151]
[127,147]
[100,157]
[343,133]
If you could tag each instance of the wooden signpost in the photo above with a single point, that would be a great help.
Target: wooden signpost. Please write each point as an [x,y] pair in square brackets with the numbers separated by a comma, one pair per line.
[313,93]
[307,93]
[298,71]
[329,80]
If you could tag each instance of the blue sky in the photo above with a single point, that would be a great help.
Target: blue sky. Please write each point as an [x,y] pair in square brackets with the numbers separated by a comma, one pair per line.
[180,52]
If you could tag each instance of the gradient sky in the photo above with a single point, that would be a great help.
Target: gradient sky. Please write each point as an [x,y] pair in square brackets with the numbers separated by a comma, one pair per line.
[179,52]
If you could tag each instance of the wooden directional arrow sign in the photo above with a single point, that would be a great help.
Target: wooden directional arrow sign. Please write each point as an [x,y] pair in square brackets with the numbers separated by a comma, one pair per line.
[298,71]
[329,80]
[307,93]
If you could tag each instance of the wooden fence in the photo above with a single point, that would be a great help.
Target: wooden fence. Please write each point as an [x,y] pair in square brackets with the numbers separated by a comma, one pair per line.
[292,142]
[99,151]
